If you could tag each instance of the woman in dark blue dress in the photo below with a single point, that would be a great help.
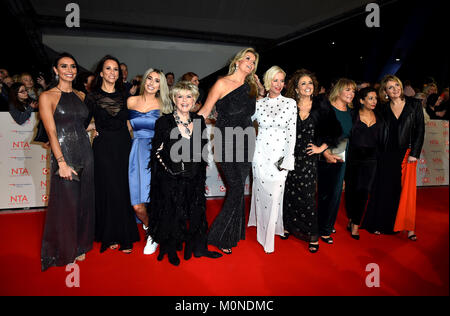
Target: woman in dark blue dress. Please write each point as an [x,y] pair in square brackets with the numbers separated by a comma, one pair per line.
[144,110]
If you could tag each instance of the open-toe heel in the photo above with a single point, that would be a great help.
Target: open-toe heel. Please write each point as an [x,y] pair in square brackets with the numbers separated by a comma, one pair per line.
[313,248]
[226,251]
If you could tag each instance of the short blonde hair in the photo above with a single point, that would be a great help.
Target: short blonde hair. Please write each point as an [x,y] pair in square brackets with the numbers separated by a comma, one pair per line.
[268,76]
[337,89]
[184,86]
[382,91]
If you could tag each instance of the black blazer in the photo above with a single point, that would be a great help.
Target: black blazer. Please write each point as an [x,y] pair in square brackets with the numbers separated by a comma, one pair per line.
[411,130]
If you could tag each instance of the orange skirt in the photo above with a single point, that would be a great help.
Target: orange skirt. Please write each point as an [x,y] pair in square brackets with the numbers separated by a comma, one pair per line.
[406,214]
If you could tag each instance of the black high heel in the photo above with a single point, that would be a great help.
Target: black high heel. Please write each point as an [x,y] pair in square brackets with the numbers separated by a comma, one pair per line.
[173,258]
[328,240]
[313,248]
[286,236]
[350,229]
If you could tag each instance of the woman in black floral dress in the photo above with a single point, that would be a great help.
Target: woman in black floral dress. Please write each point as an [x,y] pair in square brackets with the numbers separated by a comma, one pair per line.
[317,128]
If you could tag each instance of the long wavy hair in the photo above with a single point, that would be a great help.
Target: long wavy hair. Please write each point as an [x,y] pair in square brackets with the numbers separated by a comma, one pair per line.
[250,79]
[163,94]
[293,83]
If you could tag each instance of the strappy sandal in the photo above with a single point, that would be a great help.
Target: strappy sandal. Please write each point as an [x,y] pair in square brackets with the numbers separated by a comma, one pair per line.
[328,240]
[226,251]
[412,237]
[313,248]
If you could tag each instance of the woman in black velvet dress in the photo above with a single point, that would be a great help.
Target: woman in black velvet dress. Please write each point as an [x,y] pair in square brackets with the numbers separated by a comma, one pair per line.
[115,221]
[235,98]
[177,209]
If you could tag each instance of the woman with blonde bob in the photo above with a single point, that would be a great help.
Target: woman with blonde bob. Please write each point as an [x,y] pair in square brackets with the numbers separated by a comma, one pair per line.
[274,156]
[143,111]
[393,205]
[235,98]
[331,171]
[177,209]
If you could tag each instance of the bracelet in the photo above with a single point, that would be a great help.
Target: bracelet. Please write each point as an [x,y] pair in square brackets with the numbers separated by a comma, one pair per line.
[60,159]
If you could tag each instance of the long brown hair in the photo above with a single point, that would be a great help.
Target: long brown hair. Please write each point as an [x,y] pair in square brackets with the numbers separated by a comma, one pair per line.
[293,83]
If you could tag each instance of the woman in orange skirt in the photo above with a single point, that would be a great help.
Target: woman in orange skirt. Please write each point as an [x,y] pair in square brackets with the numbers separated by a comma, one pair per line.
[392,205]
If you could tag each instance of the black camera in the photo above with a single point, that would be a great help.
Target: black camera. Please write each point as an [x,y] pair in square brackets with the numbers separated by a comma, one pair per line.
[136,82]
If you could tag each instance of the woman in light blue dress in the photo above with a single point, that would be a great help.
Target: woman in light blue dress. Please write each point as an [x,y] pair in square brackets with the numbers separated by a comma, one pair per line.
[144,110]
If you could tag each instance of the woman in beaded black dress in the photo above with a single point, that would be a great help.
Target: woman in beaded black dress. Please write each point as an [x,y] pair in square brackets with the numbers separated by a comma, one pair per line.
[115,223]
[317,128]
[177,208]
[234,96]
[69,223]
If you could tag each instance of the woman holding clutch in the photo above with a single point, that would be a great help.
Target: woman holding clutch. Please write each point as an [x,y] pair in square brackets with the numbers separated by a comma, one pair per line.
[276,117]
[331,172]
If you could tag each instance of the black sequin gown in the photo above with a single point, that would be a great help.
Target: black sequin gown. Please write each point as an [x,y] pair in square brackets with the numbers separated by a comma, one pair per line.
[234,111]
[69,223]
[115,222]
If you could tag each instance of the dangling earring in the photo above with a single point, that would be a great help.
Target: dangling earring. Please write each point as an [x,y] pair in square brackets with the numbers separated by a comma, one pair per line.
[57,78]
[236,68]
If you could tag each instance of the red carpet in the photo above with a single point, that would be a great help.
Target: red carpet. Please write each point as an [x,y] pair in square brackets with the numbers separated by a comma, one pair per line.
[406,268]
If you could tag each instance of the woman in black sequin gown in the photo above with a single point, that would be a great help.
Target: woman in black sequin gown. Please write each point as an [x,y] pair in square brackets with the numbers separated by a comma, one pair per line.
[317,128]
[235,98]
[115,223]
[69,223]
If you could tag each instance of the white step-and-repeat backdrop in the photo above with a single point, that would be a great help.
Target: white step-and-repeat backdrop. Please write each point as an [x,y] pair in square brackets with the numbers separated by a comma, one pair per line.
[24,165]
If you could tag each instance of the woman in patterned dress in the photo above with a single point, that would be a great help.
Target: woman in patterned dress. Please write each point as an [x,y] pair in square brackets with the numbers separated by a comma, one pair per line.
[276,118]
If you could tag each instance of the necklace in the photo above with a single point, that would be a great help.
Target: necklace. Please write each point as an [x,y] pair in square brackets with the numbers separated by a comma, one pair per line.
[63,91]
[185,124]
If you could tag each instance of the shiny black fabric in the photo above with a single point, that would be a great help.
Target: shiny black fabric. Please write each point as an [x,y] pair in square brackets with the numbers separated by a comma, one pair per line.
[69,223]
[177,208]
[234,111]
[115,220]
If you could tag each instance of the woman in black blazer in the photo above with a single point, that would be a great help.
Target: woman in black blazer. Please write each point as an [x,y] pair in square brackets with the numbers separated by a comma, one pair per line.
[405,122]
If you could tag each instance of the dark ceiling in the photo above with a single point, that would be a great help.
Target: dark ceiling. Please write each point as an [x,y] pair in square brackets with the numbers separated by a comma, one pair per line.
[290,33]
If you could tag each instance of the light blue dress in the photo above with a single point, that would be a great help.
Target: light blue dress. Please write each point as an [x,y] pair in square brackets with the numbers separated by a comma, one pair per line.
[143,125]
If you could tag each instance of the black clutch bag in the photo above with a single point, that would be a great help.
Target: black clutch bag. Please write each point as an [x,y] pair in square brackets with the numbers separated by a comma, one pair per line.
[41,134]
[74,176]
